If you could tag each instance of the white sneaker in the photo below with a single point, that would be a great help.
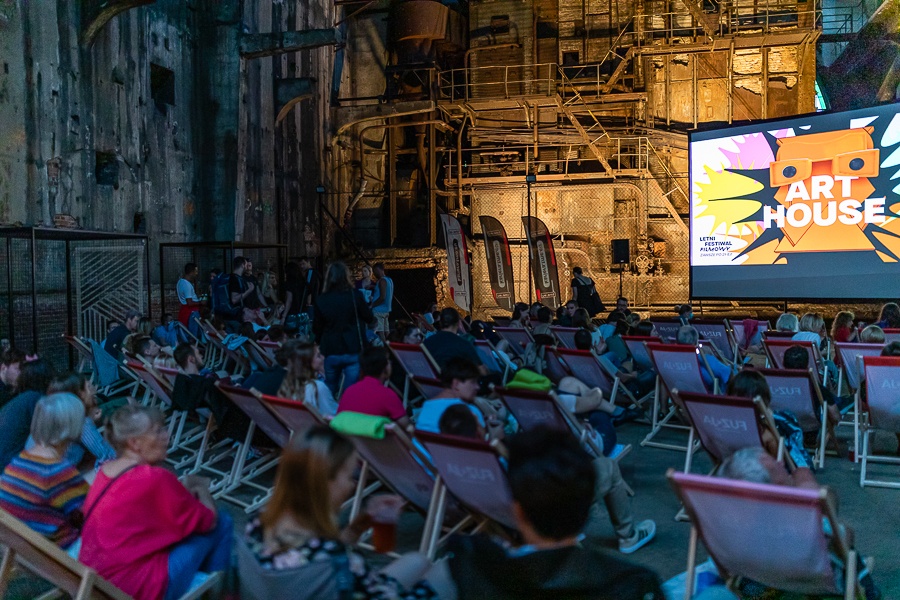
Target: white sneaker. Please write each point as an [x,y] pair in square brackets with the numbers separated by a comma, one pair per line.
[643,533]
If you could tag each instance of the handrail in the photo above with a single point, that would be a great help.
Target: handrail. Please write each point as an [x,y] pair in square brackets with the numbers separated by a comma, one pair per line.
[668,172]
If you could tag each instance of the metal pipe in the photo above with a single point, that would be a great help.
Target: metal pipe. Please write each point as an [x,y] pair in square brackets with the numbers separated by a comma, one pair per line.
[459,161]
[69,328]
[34,333]
[10,306]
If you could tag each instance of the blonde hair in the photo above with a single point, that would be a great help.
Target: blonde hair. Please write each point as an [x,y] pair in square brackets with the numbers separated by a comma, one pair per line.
[297,357]
[842,319]
[812,322]
[873,334]
[308,465]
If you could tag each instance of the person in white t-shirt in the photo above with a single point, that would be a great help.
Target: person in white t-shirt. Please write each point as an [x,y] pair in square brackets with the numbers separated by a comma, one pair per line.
[187,297]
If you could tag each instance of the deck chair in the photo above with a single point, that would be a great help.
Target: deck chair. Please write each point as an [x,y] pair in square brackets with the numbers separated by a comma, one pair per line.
[428,388]
[726,424]
[667,330]
[258,356]
[108,375]
[585,366]
[472,472]
[718,334]
[891,335]
[852,372]
[244,472]
[408,472]
[489,360]
[85,355]
[239,361]
[677,367]
[185,333]
[776,348]
[565,335]
[735,521]
[635,345]
[415,362]
[883,399]
[555,367]
[739,336]
[518,338]
[798,391]
[296,416]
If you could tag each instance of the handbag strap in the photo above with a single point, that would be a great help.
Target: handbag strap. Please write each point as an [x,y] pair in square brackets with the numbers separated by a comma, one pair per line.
[106,489]
[362,345]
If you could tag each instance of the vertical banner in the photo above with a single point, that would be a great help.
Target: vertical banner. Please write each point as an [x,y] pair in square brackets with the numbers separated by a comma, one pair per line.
[499,261]
[543,262]
[457,263]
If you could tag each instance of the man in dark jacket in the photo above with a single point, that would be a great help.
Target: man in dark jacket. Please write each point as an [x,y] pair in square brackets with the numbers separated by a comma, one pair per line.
[552,484]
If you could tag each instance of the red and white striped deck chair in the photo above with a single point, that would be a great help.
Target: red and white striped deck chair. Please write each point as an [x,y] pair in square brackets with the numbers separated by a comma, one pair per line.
[406,470]
[891,335]
[565,335]
[883,399]
[415,361]
[667,330]
[735,521]
[852,371]
[214,354]
[471,471]
[726,424]
[244,472]
[518,338]
[797,391]
[677,367]
[718,335]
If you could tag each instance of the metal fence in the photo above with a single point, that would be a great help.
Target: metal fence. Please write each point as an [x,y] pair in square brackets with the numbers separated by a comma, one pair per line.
[76,282]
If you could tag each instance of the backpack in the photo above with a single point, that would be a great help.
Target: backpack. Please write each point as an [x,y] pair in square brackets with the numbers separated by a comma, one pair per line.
[221,299]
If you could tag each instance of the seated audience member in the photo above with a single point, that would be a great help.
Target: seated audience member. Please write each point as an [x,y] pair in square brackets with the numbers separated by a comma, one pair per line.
[787,322]
[166,334]
[689,336]
[145,347]
[370,395]
[460,388]
[115,341]
[10,366]
[194,388]
[269,380]
[146,532]
[542,333]
[873,334]
[303,364]
[797,357]
[645,328]
[276,334]
[582,320]
[622,305]
[39,486]
[890,316]
[458,420]
[298,529]
[812,329]
[842,330]
[565,318]
[459,379]
[756,466]
[552,483]
[521,317]
[15,417]
[447,344]
[90,440]
[685,313]
[612,324]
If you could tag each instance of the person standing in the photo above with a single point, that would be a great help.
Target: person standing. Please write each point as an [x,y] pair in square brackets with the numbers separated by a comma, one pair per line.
[187,297]
[254,303]
[339,324]
[584,293]
[382,300]
[293,296]
[310,285]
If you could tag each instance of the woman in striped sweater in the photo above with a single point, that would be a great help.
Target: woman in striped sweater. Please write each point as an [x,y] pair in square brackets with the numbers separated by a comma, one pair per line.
[39,486]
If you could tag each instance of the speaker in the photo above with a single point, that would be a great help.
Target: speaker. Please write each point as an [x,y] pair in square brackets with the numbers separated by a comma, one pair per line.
[620,252]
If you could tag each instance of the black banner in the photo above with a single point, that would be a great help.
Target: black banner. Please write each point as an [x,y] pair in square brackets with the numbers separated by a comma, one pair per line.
[499,260]
[543,262]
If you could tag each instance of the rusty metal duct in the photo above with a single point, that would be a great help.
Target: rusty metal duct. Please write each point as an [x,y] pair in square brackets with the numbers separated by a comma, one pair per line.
[420,29]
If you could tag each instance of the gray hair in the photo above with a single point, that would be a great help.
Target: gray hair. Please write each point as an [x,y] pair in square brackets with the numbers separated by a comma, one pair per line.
[787,322]
[58,418]
[130,421]
[745,465]
[812,322]
[687,334]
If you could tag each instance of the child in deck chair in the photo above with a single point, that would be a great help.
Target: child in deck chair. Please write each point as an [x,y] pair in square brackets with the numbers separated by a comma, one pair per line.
[552,482]
[755,465]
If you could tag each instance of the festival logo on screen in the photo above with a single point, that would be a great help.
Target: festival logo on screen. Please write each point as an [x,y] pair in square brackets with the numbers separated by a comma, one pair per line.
[764,197]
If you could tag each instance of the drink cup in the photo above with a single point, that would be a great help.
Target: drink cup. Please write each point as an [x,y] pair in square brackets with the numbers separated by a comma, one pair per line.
[384,527]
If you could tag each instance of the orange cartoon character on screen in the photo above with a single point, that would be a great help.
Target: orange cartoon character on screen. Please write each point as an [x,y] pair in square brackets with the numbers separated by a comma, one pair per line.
[823,194]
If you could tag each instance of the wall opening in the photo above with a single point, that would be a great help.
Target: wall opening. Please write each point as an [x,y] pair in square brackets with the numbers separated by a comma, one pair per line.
[162,86]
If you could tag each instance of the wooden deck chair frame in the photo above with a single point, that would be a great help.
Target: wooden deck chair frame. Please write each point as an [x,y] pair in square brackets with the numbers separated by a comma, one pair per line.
[85,355]
[396,349]
[816,356]
[661,397]
[741,489]
[214,357]
[494,447]
[186,332]
[817,404]
[258,356]
[512,332]
[609,383]
[241,364]
[851,359]
[719,335]
[244,472]
[872,364]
